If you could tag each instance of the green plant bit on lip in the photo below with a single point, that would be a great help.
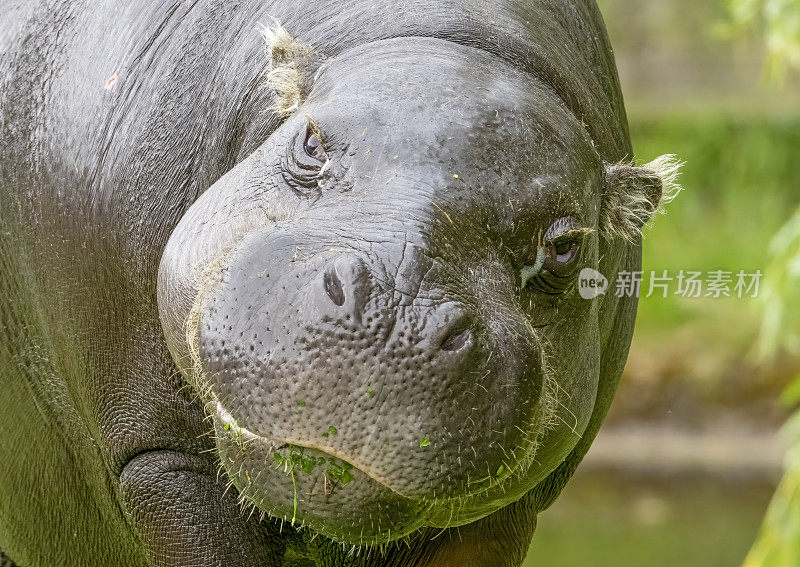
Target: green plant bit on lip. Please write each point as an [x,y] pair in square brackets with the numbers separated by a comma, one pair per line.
[340,472]
[479,480]
[235,433]
[294,496]
[297,458]
[370,393]
[288,466]
[301,404]
[425,442]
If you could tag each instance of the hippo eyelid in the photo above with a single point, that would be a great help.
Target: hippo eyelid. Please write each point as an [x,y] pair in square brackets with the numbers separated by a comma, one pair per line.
[566,228]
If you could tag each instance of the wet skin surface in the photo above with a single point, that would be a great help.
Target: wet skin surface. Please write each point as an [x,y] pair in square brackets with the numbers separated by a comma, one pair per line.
[373,332]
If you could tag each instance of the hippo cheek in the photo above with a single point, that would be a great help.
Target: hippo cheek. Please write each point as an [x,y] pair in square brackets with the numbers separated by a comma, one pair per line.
[357,412]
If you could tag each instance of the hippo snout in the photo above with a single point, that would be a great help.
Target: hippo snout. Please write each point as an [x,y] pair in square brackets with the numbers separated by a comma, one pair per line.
[307,351]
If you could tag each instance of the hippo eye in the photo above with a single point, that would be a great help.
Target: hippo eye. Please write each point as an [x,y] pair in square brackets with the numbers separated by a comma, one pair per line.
[557,265]
[313,147]
[561,254]
[557,259]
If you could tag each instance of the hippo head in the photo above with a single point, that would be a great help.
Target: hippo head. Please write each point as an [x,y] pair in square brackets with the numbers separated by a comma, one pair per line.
[379,306]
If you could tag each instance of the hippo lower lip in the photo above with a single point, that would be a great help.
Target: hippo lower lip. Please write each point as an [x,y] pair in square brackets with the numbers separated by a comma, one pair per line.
[329,456]
[308,486]
[277,447]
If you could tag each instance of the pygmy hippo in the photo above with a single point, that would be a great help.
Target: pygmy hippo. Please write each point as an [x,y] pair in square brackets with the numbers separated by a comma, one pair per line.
[298,283]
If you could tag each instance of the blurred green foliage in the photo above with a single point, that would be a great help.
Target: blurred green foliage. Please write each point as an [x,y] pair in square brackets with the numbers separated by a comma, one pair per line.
[741,178]
[778,21]
[781,325]
[742,182]
[693,92]
[778,544]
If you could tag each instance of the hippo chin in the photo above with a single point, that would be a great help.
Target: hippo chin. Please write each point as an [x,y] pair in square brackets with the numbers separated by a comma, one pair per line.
[355,259]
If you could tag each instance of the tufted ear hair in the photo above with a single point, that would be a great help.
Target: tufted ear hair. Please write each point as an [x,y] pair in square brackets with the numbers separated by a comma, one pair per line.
[633,195]
[291,68]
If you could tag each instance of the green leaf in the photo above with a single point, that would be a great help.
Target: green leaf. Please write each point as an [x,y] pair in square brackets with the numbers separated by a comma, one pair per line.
[790,397]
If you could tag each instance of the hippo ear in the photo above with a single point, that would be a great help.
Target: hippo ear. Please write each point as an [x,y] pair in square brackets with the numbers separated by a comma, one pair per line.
[291,68]
[632,195]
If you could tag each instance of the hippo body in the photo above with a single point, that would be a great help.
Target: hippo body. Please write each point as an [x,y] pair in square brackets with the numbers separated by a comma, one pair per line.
[207,338]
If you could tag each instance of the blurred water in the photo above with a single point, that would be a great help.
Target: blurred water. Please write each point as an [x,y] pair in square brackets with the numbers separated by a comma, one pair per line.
[614,519]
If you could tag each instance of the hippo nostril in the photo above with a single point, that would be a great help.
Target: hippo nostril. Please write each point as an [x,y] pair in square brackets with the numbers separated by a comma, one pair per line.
[333,287]
[456,340]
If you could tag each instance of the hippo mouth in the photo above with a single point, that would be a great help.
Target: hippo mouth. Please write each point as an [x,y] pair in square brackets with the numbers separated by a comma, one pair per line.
[310,487]
[335,495]
[293,455]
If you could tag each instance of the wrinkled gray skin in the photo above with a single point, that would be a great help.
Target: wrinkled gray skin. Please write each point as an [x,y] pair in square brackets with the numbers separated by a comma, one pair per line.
[381,296]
